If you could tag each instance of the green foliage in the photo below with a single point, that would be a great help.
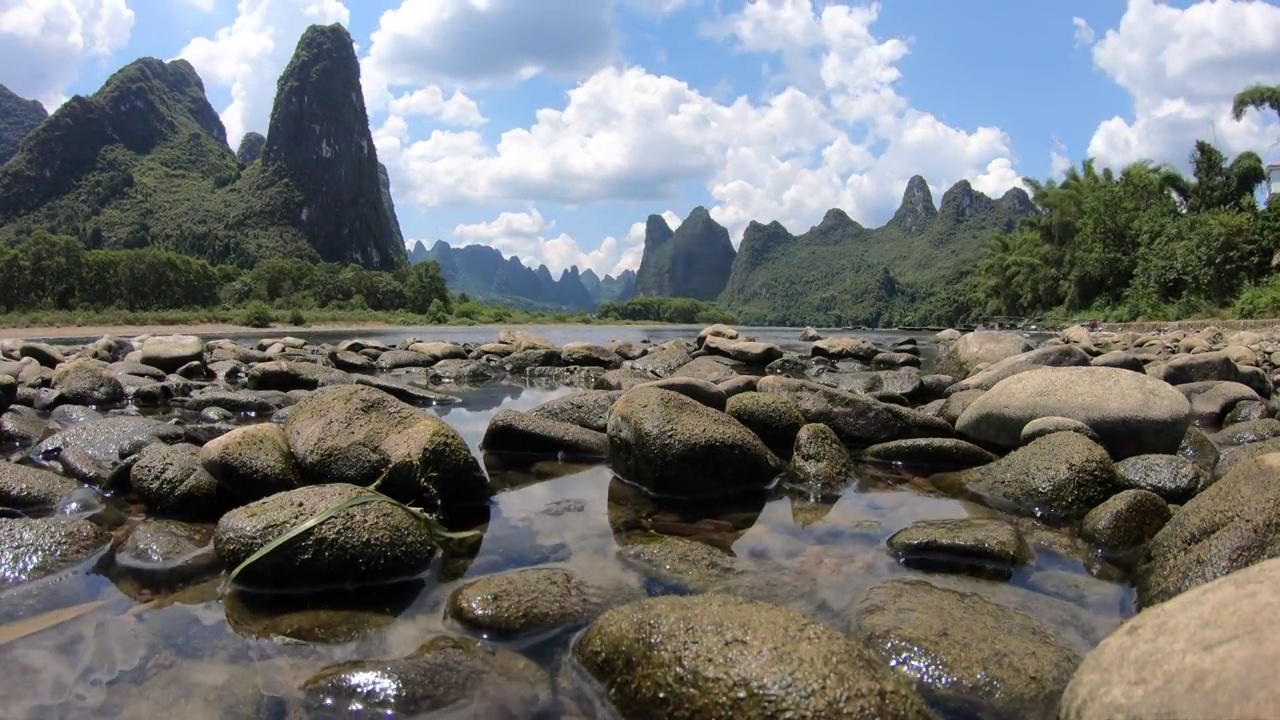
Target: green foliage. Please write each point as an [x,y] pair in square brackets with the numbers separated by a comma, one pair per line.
[1257,97]
[257,314]
[296,318]
[667,310]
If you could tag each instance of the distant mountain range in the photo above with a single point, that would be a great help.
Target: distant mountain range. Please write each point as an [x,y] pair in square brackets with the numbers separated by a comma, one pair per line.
[483,273]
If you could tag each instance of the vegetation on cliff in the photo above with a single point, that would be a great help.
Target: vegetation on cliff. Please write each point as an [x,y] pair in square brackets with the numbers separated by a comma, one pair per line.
[18,117]
[694,261]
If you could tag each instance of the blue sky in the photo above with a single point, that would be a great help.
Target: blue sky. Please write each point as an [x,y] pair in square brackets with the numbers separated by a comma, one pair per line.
[552,129]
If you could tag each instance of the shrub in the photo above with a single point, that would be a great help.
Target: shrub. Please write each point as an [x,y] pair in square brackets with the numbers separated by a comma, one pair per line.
[296,317]
[257,314]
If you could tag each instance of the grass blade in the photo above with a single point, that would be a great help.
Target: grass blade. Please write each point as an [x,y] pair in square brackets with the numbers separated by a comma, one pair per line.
[30,626]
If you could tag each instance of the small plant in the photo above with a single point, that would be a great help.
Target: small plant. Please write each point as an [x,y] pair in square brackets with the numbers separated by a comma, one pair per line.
[296,318]
[256,314]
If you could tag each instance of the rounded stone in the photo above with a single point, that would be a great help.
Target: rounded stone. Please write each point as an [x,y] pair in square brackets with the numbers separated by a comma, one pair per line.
[773,418]
[524,602]
[1125,520]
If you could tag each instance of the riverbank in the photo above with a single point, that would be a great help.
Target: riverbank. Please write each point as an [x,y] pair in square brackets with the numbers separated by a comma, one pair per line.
[1191,325]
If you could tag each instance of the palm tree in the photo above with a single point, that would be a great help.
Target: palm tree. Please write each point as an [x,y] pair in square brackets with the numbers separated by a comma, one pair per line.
[1215,183]
[1257,97]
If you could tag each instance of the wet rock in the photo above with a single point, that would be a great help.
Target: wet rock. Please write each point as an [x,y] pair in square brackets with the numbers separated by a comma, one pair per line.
[1198,448]
[1049,356]
[706,369]
[8,391]
[820,459]
[169,479]
[251,462]
[27,488]
[216,415]
[22,429]
[839,348]
[511,431]
[889,360]
[789,366]
[31,549]
[438,351]
[976,348]
[1247,411]
[355,434]
[522,360]
[940,454]
[1211,400]
[352,362]
[87,382]
[286,375]
[757,354]
[1233,524]
[405,392]
[525,602]
[682,564]
[1207,653]
[717,330]
[858,420]
[623,379]
[402,359]
[1230,457]
[665,655]
[446,677]
[773,418]
[1184,369]
[463,372]
[957,402]
[674,446]
[110,439]
[497,349]
[933,386]
[325,618]
[589,409]
[170,352]
[165,553]
[1061,475]
[968,656]
[1040,427]
[980,547]
[108,348]
[1250,431]
[1125,520]
[372,543]
[581,353]
[738,385]
[704,392]
[662,361]
[1133,414]
[246,402]
[43,353]
[1172,477]
[194,370]
[64,416]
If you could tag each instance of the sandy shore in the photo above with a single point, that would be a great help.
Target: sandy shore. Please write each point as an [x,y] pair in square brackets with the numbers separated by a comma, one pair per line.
[203,330]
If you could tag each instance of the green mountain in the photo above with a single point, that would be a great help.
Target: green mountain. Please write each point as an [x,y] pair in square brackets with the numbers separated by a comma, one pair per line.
[911,270]
[483,273]
[694,261]
[18,117]
[144,161]
[250,148]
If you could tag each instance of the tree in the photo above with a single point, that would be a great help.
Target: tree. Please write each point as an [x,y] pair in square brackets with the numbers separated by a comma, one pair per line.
[1216,184]
[1256,97]
[425,288]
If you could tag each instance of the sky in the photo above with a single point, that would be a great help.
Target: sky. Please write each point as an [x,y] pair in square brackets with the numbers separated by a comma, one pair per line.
[551,129]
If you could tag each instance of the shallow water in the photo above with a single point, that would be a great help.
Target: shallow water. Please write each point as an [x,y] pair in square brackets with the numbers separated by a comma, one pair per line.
[135,651]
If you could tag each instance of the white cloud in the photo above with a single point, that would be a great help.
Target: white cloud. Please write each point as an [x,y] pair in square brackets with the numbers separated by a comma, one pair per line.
[1059,161]
[250,54]
[43,43]
[201,5]
[524,234]
[659,7]
[1084,33]
[627,134]
[430,101]
[1182,67]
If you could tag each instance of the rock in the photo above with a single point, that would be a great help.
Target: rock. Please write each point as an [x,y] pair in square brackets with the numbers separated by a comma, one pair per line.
[706,369]
[1172,477]
[8,392]
[108,440]
[27,488]
[1049,356]
[1207,653]
[522,360]
[1040,427]
[889,360]
[838,348]
[1197,448]
[666,655]
[627,350]
[623,379]
[809,335]
[682,564]
[108,348]
[285,375]
[514,432]
[525,602]
[590,355]
[64,416]
[939,454]
[1061,475]
[1184,369]
[170,352]
[1247,411]
[719,331]
[704,392]
[1120,359]
[470,372]
[1250,431]
[169,479]
[662,361]
[31,549]
[352,362]
[445,677]
[407,393]
[368,544]
[589,409]
[240,402]
[773,418]
[968,656]
[858,420]
[86,382]
[948,335]
[957,402]
[356,434]
[975,348]
[1133,414]
[979,547]
[1233,524]
[1211,400]
[165,553]
[251,462]
[1125,520]
[522,340]
[674,446]
[756,354]
[738,385]
[820,459]
[43,353]
[438,351]
[21,429]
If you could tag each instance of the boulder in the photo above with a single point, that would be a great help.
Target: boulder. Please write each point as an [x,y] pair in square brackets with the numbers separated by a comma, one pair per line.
[1207,653]
[1125,520]
[1049,356]
[252,462]
[839,348]
[757,354]
[589,409]
[170,352]
[858,420]
[773,418]
[1133,414]
[623,379]
[938,454]
[662,361]
[1040,427]
[809,335]
[665,657]
[985,548]
[977,348]
[719,331]
[108,440]
[1211,400]
[286,375]
[402,359]
[356,434]
[515,432]
[1062,475]
[367,544]
[27,488]
[525,602]
[1249,431]
[437,351]
[707,393]
[581,353]
[819,459]
[707,369]
[31,549]
[672,445]
[88,382]
[169,479]
[43,353]
[1172,477]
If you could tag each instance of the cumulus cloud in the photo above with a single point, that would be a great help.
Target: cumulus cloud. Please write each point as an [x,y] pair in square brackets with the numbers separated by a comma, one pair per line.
[839,135]
[201,5]
[44,43]
[505,225]
[249,54]
[1182,66]
[1059,161]
[431,102]
[1084,33]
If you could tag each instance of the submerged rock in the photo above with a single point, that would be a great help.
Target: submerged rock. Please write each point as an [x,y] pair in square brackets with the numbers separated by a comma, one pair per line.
[31,549]
[666,657]
[984,548]
[371,543]
[936,453]
[688,565]
[589,409]
[511,431]
[1060,475]
[27,488]
[525,602]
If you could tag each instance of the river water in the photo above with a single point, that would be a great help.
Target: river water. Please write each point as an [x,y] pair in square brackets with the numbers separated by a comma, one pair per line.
[127,650]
